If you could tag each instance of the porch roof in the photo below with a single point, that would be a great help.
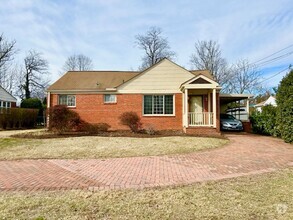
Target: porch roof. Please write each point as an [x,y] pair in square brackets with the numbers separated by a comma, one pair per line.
[200,82]
[228,98]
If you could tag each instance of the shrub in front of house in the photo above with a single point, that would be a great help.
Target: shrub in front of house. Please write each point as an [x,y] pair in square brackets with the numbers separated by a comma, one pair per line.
[265,122]
[14,118]
[62,119]
[132,120]
[285,107]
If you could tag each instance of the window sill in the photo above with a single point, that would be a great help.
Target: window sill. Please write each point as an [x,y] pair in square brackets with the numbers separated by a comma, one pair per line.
[110,103]
[171,115]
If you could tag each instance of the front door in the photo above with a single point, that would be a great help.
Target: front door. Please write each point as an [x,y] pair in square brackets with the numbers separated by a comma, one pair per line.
[195,109]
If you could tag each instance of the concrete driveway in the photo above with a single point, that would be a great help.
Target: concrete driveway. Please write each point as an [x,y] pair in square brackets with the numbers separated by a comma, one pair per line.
[246,154]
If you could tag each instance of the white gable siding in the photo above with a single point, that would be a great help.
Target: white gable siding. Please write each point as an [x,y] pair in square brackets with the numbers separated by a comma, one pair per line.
[271,101]
[166,77]
[5,96]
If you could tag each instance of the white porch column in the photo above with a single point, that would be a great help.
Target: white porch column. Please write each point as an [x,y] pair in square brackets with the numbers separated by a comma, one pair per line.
[214,108]
[186,107]
[247,108]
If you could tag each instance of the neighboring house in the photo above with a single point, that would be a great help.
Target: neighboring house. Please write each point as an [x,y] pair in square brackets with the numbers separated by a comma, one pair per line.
[270,101]
[6,99]
[166,96]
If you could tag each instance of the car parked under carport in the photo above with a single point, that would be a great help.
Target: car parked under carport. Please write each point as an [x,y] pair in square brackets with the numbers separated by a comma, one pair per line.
[230,123]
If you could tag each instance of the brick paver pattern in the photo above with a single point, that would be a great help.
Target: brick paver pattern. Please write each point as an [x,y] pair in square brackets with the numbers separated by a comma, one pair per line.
[244,155]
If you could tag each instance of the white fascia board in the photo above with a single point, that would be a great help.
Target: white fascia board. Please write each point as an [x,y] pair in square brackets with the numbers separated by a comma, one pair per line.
[149,91]
[200,86]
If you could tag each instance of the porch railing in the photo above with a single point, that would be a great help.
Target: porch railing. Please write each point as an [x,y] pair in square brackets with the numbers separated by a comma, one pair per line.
[200,119]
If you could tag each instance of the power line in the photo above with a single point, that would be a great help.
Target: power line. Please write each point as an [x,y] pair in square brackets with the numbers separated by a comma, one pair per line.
[274,59]
[271,60]
[272,54]
[277,73]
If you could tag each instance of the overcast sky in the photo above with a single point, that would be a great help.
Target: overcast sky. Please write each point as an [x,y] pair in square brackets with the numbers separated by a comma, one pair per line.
[104,30]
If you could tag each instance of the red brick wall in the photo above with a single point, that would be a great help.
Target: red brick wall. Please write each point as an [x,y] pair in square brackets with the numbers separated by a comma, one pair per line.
[202,131]
[91,108]
[13,104]
[247,127]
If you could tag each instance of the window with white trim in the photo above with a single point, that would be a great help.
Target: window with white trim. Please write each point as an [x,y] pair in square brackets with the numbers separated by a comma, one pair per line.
[68,100]
[5,107]
[110,98]
[158,105]
[4,104]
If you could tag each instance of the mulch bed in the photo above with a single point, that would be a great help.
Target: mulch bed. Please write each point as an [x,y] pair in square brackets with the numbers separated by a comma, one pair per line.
[119,133]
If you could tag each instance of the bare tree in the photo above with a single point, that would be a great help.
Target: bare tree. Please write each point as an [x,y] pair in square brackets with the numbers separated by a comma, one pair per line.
[33,80]
[8,77]
[208,56]
[78,62]
[7,50]
[245,77]
[155,47]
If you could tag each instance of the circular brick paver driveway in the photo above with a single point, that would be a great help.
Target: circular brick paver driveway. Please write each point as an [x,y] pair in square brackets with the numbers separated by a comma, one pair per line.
[246,154]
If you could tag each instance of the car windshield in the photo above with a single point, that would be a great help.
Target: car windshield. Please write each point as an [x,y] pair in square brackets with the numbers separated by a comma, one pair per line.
[226,116]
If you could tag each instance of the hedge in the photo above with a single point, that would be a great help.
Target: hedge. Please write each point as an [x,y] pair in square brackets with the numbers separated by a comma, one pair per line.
[265,122]
[277,121]
[285,107]
[18,118]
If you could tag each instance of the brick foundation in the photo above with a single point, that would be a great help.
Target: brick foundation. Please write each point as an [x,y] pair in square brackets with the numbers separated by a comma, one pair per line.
[202,131]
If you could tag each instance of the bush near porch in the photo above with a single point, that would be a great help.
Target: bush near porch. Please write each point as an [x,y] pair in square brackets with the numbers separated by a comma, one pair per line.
[277,121]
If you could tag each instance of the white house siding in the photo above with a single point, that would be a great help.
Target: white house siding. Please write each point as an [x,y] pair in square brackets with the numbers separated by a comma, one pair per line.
[5,96]
[165,77]
[271,101]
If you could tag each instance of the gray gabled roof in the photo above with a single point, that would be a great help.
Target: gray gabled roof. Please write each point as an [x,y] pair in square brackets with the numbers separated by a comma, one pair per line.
[6,96]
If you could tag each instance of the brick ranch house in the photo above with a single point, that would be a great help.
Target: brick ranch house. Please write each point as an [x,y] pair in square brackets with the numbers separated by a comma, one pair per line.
[166,97]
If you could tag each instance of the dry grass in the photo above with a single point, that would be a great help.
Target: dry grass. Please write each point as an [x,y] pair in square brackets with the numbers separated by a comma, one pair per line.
[267,196]
[102,147]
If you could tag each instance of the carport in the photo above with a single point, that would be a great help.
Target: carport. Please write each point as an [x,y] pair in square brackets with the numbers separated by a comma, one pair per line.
[240,109]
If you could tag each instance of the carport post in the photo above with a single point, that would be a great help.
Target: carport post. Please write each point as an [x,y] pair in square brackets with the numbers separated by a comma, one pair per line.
[186,107]
[247,107]
[214,108]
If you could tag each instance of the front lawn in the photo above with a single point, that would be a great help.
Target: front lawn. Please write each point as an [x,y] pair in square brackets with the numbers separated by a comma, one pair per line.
[102,147]
[266,196]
